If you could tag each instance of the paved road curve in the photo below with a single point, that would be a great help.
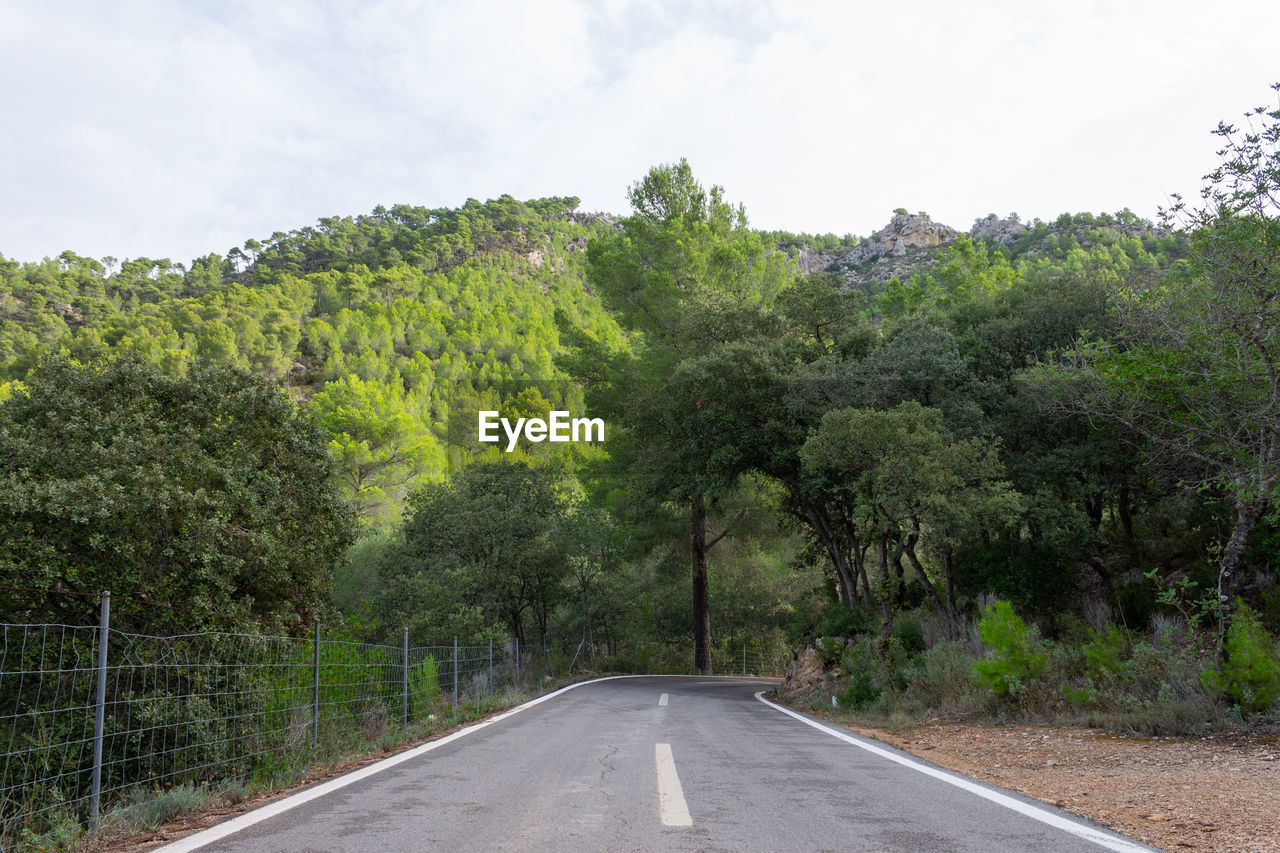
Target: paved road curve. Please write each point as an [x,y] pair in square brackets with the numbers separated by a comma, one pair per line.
[659,763]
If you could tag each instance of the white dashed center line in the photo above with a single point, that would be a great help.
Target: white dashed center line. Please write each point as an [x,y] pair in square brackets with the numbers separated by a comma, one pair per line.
[675,811]
[662,700]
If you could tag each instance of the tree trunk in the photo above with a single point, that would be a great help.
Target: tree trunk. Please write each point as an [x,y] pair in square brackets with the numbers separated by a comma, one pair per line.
[1124,507]
[860,569]
[847,579]
[1248,514]
[900,582]
[701,594]
[946,606]
[886,596]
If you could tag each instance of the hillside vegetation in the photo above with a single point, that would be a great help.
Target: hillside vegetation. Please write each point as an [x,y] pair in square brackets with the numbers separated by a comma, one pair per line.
[1029,454]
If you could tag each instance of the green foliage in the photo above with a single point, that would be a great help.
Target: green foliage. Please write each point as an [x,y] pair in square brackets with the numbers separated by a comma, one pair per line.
[841,620]
[202,501]
[480,551]
[424,688]
[424,307]
[1013,663]
[1250,674]
[859,663]
[908,634]
[1107,655]
[381,441]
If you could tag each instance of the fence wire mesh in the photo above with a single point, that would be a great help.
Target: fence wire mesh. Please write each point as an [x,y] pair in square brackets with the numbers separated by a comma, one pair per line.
[199,708]
[209,708]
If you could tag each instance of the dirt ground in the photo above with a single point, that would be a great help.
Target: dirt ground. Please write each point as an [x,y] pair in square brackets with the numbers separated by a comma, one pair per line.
[1216,793]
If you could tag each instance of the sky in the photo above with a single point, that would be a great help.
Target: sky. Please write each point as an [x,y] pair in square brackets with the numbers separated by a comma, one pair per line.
[170,129]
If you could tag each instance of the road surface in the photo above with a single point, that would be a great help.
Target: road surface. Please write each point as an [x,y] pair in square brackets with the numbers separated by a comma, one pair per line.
[657,763]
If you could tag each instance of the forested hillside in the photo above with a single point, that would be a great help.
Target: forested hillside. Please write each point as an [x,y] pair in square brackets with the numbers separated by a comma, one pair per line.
[906,443]
[384,322]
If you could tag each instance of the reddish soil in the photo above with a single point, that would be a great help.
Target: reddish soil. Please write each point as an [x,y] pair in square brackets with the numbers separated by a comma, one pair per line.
[1218,794]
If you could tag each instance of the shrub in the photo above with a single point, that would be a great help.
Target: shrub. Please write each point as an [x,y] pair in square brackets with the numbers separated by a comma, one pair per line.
[1107,655]
[944,678]
[840,620]
[1013,663]
[908,631]
[424,687]
[859,661]
[1250,675]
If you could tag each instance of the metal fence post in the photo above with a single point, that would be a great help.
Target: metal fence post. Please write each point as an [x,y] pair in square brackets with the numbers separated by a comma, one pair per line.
[491,665]
[406,676]
[455,672]
[315,692]
[744,657]
[100,710]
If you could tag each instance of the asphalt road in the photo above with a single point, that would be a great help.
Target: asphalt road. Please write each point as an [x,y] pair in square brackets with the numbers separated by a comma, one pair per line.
[662,763]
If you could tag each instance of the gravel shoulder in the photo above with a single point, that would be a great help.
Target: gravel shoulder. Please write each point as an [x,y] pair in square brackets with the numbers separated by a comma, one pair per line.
[1219,794]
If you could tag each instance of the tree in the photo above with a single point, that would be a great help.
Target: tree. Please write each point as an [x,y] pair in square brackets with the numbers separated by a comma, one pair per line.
[205,501]
[684,273]
[1194,368]
[480,550]
[380,441]
[912,486]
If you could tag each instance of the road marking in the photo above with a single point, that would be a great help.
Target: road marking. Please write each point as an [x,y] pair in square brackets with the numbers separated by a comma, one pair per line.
[1098,836]
[675,811]
[270,810]
[662,700]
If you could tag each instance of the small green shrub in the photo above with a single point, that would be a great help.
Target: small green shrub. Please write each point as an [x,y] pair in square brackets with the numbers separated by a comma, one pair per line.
[1107,655]
[424,687]
[908,631]
[861,693]
[840,620]
[1250,676]
[1013,663]
[859,662]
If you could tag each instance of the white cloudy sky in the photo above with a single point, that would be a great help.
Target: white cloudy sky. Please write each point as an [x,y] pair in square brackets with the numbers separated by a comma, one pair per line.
[175,129]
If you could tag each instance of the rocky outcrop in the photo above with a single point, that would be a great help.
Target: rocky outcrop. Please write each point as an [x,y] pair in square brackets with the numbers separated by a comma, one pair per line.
[816,669]
[804,671]
[905,232]
[993,228]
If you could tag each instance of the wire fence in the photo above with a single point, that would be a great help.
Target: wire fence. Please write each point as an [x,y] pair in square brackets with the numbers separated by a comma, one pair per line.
[90,717]
[86,723]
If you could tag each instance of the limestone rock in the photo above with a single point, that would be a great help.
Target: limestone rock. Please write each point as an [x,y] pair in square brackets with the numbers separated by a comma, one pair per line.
[993,228]
[905,231]
[804,671]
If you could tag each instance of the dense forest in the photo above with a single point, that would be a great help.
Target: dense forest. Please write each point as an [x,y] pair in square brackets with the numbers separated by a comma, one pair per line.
[1030,439]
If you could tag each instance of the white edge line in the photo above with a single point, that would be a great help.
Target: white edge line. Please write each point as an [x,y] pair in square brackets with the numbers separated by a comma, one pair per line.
[671,802]
[284,804]
[1089,833]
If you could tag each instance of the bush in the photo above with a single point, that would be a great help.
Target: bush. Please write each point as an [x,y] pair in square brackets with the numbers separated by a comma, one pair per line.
[424,688]
[1107,655]
[840,620]
[1250,675]
[1013,664]
[909,633]
[859,662]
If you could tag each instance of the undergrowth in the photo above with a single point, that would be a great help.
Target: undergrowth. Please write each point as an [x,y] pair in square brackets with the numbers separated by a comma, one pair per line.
[1165,681]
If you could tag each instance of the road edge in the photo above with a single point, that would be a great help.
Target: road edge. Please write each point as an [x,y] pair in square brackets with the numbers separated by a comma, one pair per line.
[1095,834]
[269,810]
